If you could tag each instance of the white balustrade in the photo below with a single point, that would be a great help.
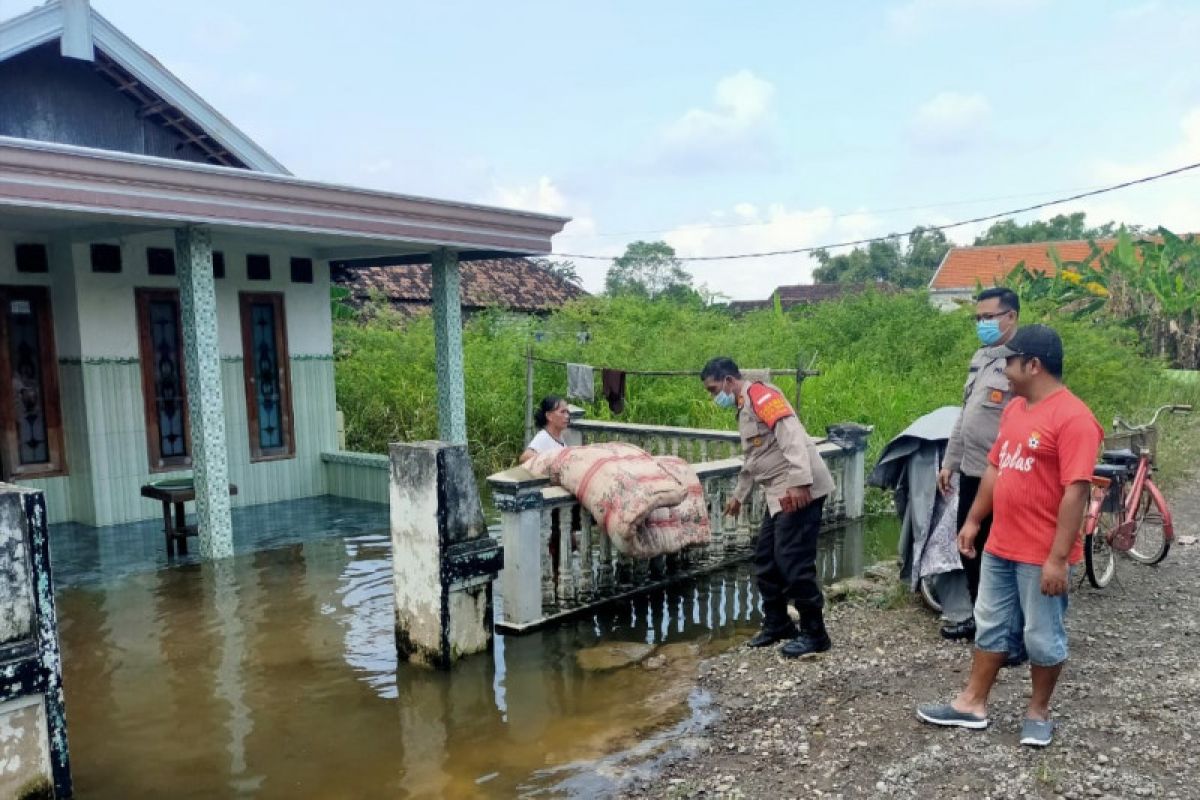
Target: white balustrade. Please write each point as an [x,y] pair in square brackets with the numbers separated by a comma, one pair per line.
[558,560]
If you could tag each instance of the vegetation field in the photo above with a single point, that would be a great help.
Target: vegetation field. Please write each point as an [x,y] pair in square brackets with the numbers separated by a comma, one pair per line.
[884,359]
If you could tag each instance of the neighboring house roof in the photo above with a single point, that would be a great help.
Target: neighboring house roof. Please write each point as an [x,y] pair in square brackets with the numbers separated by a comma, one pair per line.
[513,283]
[85,34]
[963,267]
[803,294]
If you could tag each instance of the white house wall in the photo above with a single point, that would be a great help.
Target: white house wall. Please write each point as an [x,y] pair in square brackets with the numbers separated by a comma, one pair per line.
[104,422]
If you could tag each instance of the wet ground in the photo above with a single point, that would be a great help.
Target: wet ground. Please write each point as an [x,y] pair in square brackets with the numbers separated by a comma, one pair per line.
[273,674]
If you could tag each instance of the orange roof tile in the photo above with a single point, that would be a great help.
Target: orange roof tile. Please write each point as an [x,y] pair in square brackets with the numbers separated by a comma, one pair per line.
[963,266]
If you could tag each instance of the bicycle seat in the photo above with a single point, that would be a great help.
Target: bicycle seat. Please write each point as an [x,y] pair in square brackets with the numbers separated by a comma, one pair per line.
[1125,456]
[1111,471]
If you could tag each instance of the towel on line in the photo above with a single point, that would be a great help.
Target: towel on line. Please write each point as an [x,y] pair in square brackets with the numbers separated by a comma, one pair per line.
[581,382]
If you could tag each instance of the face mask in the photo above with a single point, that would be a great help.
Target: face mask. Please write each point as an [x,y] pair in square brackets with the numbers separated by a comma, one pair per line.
[724,399]
[988,331]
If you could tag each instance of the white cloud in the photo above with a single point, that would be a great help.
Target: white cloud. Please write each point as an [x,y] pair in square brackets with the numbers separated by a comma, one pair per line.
[746,228]
[1172,202]
[950,121]
[541,196]
[921,16]
[736,131]
[579,235]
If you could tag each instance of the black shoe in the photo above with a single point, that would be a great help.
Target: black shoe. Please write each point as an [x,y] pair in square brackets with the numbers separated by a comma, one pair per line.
[959,630]
[766,638]
[806,643]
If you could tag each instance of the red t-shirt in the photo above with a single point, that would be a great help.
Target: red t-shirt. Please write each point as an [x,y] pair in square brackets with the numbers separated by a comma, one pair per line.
[1038,452]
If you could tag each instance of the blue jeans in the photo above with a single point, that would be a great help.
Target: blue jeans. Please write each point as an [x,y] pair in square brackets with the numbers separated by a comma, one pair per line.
[1011,590]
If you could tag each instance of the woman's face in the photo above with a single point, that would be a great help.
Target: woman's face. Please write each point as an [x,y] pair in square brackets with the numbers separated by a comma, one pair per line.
[559,418]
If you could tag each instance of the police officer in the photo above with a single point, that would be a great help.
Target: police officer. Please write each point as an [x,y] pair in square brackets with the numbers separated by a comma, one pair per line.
[986,393]
[780,456]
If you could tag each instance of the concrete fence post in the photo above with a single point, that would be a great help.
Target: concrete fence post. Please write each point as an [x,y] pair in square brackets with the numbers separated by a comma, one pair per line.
[34,760]
[443,561]
[852,438]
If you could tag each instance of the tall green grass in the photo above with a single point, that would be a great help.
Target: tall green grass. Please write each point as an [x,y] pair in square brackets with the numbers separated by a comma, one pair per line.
[884,360]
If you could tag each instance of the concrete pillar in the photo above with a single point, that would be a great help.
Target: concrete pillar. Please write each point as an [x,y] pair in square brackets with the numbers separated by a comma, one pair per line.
[34,760]
[447,331]
[443,561]
[852,438]
[202,362]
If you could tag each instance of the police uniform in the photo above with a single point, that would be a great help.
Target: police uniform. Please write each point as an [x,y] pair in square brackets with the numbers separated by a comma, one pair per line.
[779,454]
[985,394]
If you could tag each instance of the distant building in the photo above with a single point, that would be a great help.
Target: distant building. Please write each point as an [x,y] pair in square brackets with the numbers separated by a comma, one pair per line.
[963,269]
[514,284]
[804,294]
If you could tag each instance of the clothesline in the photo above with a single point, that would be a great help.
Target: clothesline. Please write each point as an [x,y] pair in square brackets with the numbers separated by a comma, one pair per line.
[580,381]
[657,373]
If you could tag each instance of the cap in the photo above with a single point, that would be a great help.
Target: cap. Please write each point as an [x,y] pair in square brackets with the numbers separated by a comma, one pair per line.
[1037,341]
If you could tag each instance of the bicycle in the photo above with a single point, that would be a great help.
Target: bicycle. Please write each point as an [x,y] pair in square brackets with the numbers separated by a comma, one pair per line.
[1127,512]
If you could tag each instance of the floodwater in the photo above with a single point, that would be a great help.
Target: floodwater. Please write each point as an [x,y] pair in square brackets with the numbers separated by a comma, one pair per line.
[273,674]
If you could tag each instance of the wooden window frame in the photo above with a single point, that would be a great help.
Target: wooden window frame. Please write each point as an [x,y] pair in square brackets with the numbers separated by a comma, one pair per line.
[10,449]
[154,457]
[250,380]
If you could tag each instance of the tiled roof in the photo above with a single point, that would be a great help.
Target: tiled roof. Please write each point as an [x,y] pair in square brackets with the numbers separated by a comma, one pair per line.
[514,283]
[802,294]
[964,266]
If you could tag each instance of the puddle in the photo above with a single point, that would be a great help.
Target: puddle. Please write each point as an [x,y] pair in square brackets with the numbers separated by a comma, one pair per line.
[273,674]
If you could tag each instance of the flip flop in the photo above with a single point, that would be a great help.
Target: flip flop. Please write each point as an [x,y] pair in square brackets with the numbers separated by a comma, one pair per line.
[1037,732]
[946,715]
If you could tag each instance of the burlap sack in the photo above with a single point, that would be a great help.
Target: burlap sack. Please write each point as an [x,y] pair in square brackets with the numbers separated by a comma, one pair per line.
[618,483]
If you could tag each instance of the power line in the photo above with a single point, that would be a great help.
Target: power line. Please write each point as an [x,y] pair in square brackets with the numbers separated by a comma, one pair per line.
[842,215]
[946,227]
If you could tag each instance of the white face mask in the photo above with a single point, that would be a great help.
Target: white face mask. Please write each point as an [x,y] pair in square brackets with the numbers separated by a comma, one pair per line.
[724,399]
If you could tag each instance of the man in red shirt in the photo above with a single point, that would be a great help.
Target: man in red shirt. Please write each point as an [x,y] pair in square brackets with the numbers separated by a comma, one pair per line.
[1036,487]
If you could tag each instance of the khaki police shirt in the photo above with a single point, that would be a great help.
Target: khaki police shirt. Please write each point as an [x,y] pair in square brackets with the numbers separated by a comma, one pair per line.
[779,458]
[985,394]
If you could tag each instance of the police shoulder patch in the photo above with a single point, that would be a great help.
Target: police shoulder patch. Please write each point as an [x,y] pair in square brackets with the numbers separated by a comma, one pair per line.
[769,405]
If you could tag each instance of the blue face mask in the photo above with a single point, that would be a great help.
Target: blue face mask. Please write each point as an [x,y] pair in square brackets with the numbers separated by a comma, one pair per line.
[724,399]
[988,331]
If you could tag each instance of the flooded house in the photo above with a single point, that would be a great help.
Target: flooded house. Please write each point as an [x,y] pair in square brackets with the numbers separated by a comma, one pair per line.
[165,286]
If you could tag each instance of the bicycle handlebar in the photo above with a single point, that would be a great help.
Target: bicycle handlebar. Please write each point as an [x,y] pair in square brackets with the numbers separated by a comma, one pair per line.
[1174,408]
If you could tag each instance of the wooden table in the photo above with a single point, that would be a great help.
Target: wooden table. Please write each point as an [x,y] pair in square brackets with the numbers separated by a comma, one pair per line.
[176,493]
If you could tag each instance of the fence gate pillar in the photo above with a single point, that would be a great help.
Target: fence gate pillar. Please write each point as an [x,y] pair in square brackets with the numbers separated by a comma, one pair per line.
[852,438]
[443,561]
[33,722]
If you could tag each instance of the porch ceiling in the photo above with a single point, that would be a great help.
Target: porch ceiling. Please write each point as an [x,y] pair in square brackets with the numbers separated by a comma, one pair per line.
[95,194]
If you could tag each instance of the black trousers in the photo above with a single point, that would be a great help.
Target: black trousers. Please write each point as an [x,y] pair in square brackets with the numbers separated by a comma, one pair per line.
[785,565]
[968,487]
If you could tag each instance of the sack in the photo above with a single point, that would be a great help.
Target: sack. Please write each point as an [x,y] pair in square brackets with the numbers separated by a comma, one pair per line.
[618,483]
[670,529]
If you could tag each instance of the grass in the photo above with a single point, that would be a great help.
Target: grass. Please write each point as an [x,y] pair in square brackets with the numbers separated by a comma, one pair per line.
[884,361]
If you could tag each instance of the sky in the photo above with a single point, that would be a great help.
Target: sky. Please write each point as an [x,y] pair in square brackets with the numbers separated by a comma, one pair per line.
[721,128]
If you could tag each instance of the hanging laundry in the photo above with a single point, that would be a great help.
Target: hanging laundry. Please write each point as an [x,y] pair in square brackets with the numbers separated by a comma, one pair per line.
[612,383]
[581,383]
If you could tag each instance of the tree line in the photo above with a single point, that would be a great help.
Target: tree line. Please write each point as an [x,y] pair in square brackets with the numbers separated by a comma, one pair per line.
[653,270]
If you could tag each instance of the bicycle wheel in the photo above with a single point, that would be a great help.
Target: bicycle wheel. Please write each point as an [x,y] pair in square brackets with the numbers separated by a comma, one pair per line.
[1099,559]
[1150,543]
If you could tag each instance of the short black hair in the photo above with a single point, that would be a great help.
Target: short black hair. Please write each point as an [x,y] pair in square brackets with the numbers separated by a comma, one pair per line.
[548,404]
[720,368]
[1040,342]
[1007,297]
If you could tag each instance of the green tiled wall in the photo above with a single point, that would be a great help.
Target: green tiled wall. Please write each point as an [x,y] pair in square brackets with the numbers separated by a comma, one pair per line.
[362,476]
[106,441]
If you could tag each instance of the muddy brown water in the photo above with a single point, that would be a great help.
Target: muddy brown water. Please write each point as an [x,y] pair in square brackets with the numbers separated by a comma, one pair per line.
[273,674]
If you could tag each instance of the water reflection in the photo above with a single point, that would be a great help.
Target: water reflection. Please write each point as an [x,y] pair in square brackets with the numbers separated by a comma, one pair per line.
[273,674]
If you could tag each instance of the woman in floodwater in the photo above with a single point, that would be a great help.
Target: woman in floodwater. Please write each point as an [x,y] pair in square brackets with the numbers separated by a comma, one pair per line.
[553,418]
